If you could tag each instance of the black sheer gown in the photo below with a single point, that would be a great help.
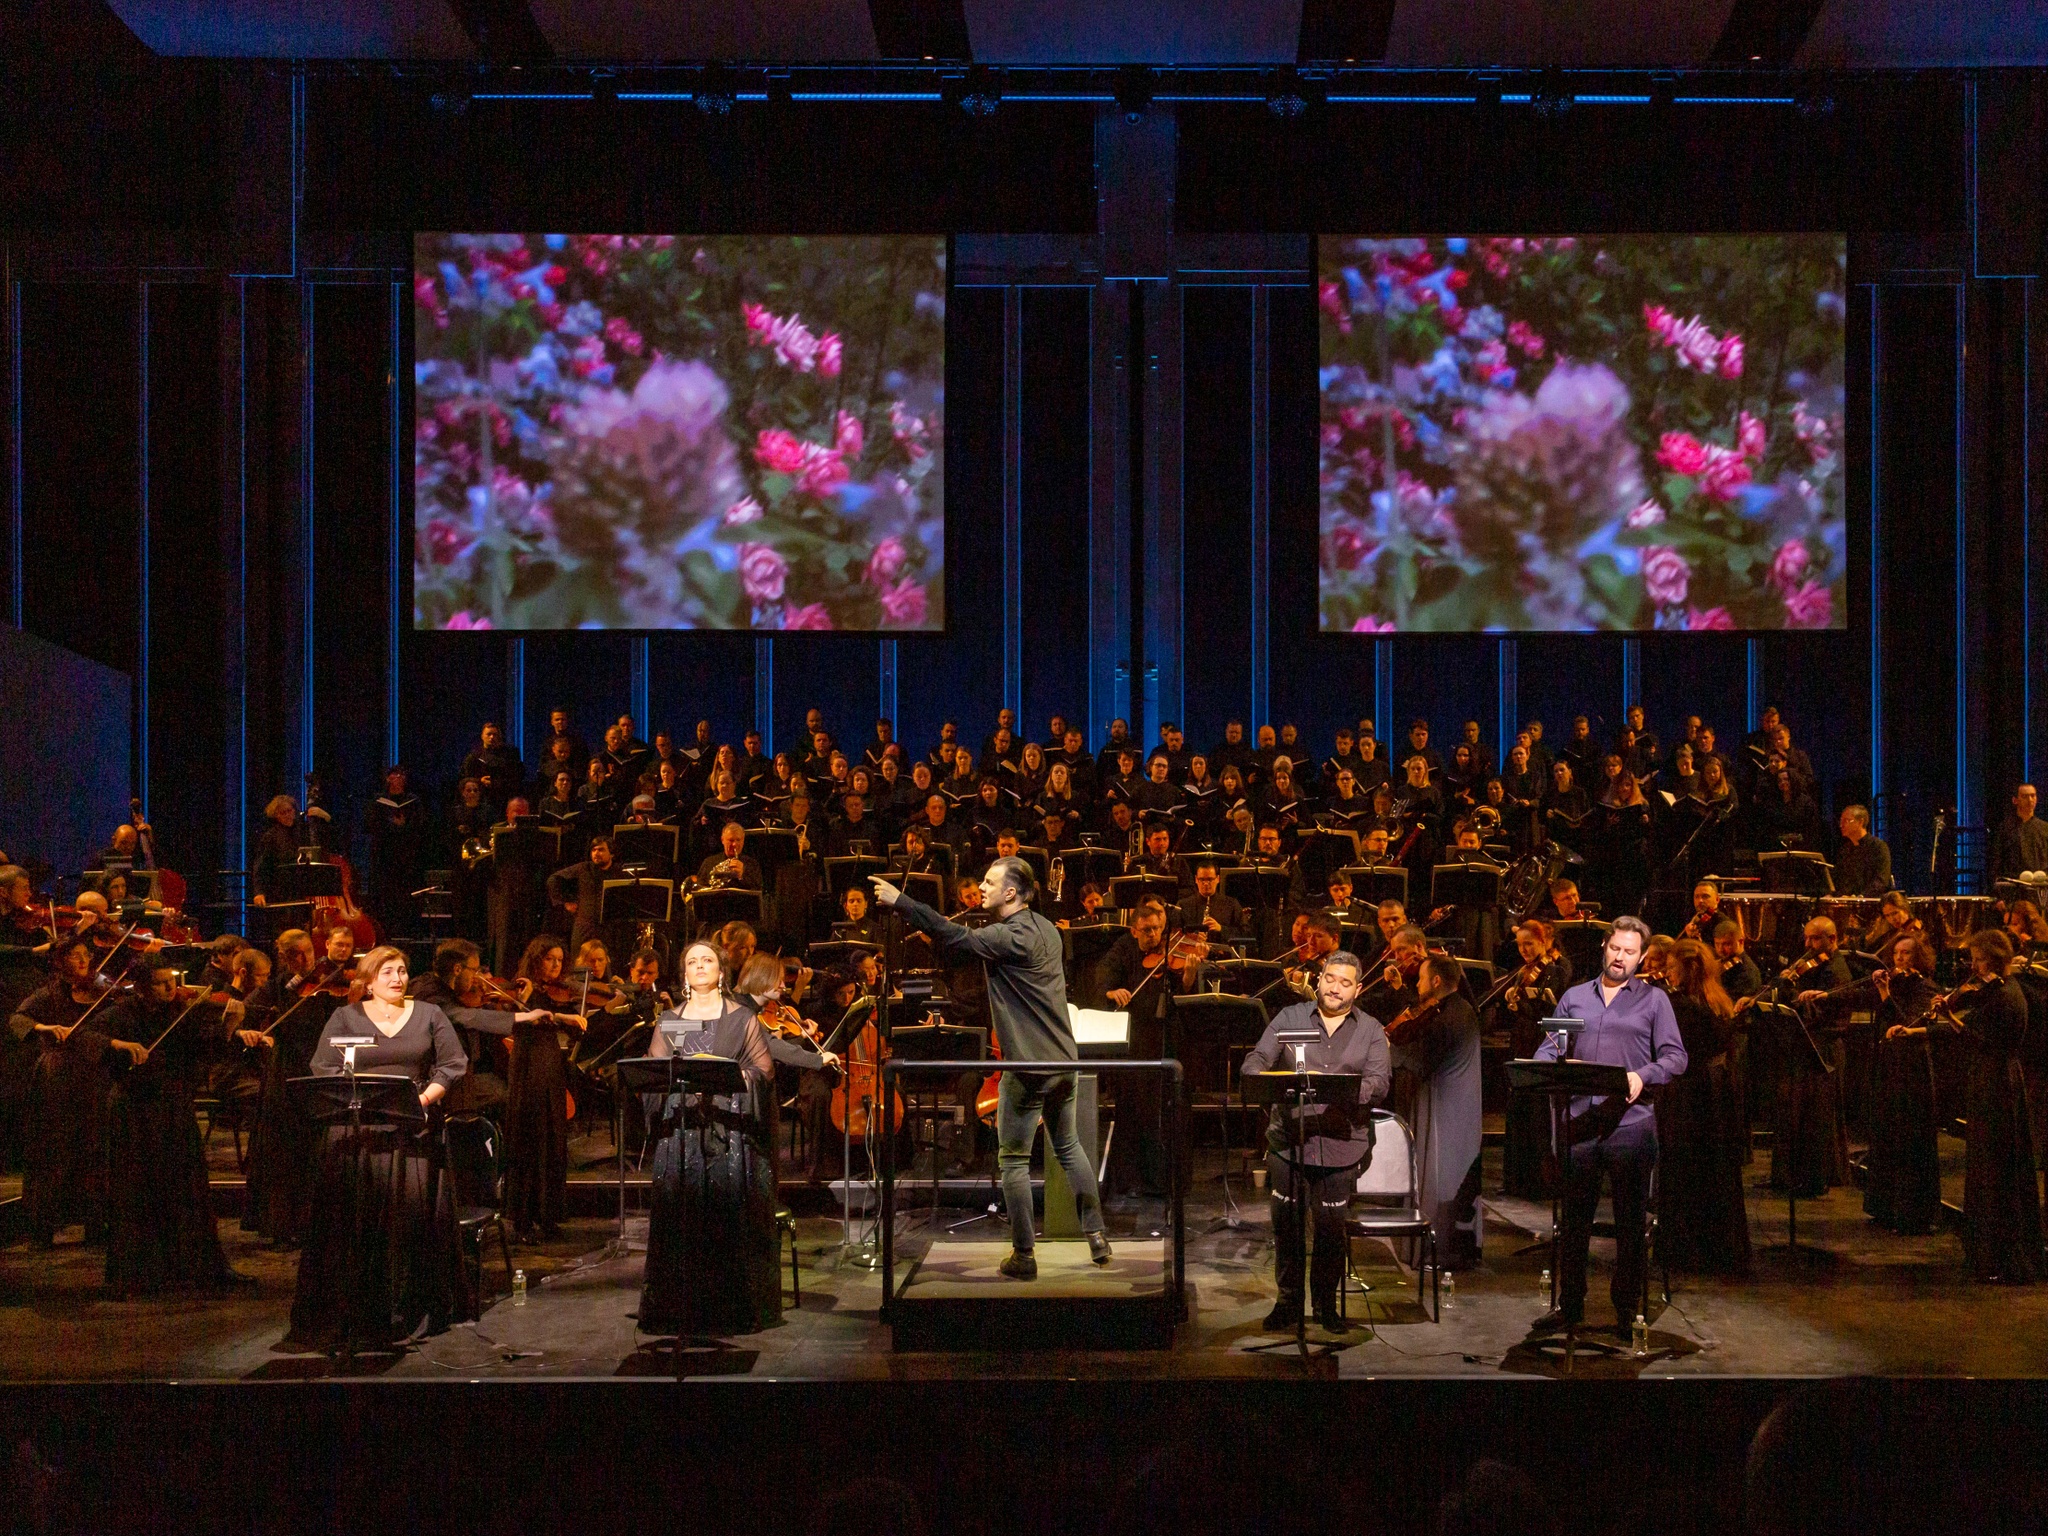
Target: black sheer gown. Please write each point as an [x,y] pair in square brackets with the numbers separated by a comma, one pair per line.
[160,1227]
[711,1239]
[1526,1168]
[537,1127]
[63,1142]
[284,1145]
[1809,1150]
[382,1263]
[1902,1170]
[2001,1192]
[1702,1225]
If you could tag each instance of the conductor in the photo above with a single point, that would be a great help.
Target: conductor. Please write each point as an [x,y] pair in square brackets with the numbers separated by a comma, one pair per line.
[1027,997]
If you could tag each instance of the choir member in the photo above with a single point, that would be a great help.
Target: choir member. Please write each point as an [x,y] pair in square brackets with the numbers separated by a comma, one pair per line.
[495,767]
[537,1103]
[1437,1044]
[562,733]
[382,1265]
[1702,1128]
[160,1227]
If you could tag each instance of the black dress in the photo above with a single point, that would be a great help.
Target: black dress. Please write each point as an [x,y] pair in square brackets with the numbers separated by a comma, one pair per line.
[381,1262]
[537,1128]
[711,1240]
[1809,1151]
[1702,1226]
[1526,1168]
[1902,1170]
[284,1146]
[2001,1193]
[63,1143]
[160,1227]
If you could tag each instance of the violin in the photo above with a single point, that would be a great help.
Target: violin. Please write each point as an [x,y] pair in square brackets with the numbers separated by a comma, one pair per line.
[1408,1023]
[780,1018]
[858,1090]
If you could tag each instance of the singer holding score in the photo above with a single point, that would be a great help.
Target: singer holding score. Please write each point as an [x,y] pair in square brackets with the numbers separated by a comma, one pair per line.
[1339,1146]
[1629,1024]
[1027,1003]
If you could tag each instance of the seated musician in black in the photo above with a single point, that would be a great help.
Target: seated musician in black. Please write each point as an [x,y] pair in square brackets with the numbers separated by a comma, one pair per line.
[856,922]
[1340,905]
[1739,974]
[855,832]
[480,1015]
[1808,1149]
[1089,911]
[1863,864]
[1210,910]
[1137,975]
[1159,859]
[731,865]
[915,857]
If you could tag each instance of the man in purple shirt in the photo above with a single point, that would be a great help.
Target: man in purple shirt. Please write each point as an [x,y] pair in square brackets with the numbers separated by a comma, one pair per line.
[1629,1024]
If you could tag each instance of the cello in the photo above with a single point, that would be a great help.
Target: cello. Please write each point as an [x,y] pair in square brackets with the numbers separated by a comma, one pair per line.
[858,1087]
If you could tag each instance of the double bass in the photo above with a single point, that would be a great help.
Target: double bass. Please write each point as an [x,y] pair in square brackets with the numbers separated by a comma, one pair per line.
[859,1086]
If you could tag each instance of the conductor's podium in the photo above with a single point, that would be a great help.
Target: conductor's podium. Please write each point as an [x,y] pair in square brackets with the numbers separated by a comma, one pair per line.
[954,1298]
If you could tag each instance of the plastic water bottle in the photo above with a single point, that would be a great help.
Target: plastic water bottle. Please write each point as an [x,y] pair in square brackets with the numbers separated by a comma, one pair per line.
[1642,1337]
[1450,1301]
[1543,1288]
[518,1287]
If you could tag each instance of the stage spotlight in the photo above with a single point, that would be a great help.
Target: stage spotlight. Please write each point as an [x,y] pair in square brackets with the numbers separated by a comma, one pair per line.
[1133,91]
[714,93]
[982,92]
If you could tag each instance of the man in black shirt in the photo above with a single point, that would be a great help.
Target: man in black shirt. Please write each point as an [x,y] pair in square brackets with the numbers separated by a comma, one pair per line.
[1863,864]
[731,865]
[495,767]
[2022,841]
[1209,911]
[579,890]
[1027,996]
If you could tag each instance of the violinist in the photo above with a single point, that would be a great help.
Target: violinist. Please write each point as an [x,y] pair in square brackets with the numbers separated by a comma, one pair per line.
[578,889]
[1137,975]
[1532,992]
[481,1009]
[160,1227]
[1706,912]
[537,1103]
[1739,974]
[1400,966]
[63,1150]
[1340,1146]
[2002,1237]
[1818,1157]
[284,1146]
[712,1248]
[1314,937]
[795,1042]
[1436,1043]
[235,1075]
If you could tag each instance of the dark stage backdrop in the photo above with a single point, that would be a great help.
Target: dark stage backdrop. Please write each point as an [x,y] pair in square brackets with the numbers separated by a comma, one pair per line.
[63,752]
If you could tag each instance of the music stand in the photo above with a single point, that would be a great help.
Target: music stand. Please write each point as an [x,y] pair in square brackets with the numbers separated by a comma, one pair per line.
[1306,1095]
[832,954]
[298,884]
[852,869]
[713,909]
[1207,859]
[1248,977]
[1084,866]
[651,844]
[1582,939]
[1797,872]
[1230,1020]
[1261,889]
[643,900]
[1322,849]
[923,886]
[1465,885]
[772,848]
[1376,883]
[1128,892]
[1791,1031]
[1559,1082]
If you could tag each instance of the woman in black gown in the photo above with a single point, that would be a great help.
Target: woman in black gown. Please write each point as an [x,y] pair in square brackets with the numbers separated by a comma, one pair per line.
[1902,1170]
[711,1240]
[381,1263]
[537,1097]
[1544,974]
[284,1145]
[1702,1225]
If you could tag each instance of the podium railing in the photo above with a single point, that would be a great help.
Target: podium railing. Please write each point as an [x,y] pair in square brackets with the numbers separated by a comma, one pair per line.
[1173,1115]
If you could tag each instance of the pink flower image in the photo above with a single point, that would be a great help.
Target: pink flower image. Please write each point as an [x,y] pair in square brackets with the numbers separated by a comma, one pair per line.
[762,573]
[1657,320]
[1696,346]
[907,429]
[1812,606]
[1666,576]
[444,540]
[1368,625]
[1681,453]
[1523,336]
[887,562]
[792,341]
[1330,299]
[1344,549]
[847,436]
[903,606]
[745,510]
[1731,357]
[831,355]
[809,616]
[1726,473]
[465,620]
[1788,570]
[1710,618]
[1749,436]
[1645,514]
[780,452]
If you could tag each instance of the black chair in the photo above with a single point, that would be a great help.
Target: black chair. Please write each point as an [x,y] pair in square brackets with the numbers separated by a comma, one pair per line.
[1392,1186]
[470,1144]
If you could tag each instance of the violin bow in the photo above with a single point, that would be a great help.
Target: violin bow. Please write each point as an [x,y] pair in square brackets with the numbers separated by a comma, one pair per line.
[127,965]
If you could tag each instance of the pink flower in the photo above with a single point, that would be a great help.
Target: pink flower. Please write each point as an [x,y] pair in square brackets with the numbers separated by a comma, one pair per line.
[780,452]
[1711,618]
[444,540]
[809,616]
[1812,606]
[1749,436]
[1666,576]
[1330,299]
[623,336]
[1726,473]
[1657,320]
[830,355]
[1645,514]
[424,293]
[1344,549]
[1368,625]
[1524,336]
[887,562]
[745,510]
[794,345]
[464,620]
[1788,570]
[1731,357]
[762,573]
[903,605]
[908,430]
[1681,453]
[1695,345]
[847,436]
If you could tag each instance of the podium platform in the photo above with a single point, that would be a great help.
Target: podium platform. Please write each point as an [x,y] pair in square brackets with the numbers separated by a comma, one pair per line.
[955,1299]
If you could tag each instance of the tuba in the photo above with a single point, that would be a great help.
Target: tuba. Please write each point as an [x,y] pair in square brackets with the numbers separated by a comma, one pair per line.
[1528,880]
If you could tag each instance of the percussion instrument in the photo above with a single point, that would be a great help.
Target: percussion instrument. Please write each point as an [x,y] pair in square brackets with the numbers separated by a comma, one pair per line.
[1958,916]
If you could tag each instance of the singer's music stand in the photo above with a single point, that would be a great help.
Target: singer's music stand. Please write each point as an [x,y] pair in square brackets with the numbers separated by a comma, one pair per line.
[359,1098]
[1306,1095]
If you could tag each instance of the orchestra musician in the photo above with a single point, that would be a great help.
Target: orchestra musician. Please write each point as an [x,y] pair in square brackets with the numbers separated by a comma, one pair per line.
[482,1013]
[306,986]
[1436,1043]
[2021,842]
[1209,910]
[578,889]
[732,865]
[1706,912]
[537,1089]
[1140,971]
[1630,1024]
[1809,1150]
[1028,1010]
[1538,982]
[1702,1127]
[1337,1149]
[1863,864]
[276,847]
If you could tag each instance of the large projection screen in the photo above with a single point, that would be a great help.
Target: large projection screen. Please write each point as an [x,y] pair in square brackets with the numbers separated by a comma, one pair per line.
[679,432]
[1620,433]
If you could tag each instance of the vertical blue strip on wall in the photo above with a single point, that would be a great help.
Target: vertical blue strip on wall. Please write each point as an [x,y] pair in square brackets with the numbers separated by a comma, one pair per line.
[764,693]
[885,672]
[1753,674]
[395,575]
[1966,791]
[141,769]
[641,664]
[1506,706]
[305,515]
[1877,765]
[2027,528]
[1631,674]
[1013,501]
[16,591]
[1383,691]
[237,650]
[515,694]
[1262,506]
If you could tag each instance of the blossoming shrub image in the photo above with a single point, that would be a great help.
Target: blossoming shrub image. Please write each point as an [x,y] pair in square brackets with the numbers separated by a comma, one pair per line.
[669,432]
[1590,433]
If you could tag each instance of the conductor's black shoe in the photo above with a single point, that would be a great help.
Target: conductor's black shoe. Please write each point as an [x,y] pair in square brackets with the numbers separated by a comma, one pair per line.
[1020,1265]
[1098,1247]
[1284,1318]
